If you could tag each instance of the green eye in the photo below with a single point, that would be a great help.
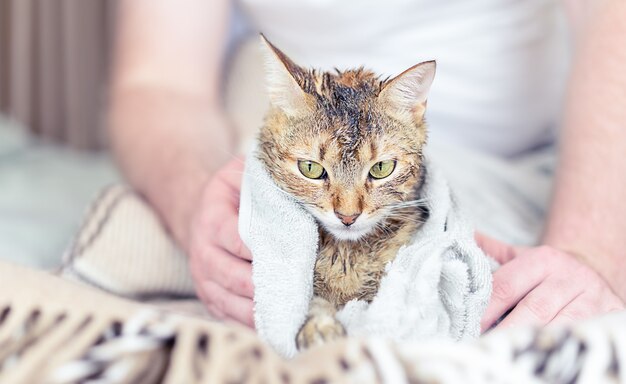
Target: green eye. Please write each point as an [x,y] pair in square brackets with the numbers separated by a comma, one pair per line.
[382,169]
[311,169]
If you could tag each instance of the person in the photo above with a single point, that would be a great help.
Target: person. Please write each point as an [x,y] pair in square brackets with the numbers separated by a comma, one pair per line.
[497,90]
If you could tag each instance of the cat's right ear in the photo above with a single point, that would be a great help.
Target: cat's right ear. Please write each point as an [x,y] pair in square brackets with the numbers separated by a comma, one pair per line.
[406,93]
[283,88]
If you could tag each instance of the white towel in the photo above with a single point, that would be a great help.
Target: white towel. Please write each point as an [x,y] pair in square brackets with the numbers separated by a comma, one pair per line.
[438,286]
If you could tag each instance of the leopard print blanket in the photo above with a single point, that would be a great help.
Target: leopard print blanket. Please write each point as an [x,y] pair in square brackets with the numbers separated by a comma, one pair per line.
[80,335]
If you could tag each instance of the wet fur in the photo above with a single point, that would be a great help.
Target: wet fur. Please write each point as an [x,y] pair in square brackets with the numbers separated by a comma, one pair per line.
[342,123]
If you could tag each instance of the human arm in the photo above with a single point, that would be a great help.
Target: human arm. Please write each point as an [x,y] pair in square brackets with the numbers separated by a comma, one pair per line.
[588,211]
[580,269]
[170,135]
[167,127]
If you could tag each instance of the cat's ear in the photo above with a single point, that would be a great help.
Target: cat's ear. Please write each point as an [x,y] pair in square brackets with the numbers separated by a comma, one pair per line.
[283,88]
[406,93]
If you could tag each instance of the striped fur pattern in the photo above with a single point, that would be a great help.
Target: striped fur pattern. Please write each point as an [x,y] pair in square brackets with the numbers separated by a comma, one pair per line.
[347,121]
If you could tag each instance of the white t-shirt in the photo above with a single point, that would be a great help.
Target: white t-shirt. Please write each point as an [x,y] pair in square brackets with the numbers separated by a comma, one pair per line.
[501,64]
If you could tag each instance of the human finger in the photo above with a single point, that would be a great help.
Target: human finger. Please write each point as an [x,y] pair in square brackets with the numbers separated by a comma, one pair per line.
[228,238]
[543,303]
[231,174]
[498,250]
[238,308]
[230,272]
[511,282]
[588,304]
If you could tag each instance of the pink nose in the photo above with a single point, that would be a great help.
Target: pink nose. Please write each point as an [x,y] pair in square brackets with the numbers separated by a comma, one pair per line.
[347,220]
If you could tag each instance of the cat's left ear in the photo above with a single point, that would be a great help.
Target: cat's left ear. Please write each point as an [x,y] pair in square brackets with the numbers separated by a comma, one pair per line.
[406,93]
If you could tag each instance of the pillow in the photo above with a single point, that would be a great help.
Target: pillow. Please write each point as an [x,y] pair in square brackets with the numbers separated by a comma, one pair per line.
[123,248]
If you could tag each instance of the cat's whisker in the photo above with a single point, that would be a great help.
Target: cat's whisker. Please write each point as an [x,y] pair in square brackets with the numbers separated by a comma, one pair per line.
[403,214]
[407,215]
[412,216]
[404,210]
[415,221]
[413,201]
[408,206]
[410,203]
[380,226]
[240,157]
[386,230]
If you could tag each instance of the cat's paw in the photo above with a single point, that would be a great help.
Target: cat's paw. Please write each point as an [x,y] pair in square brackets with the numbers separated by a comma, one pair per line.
[318,330]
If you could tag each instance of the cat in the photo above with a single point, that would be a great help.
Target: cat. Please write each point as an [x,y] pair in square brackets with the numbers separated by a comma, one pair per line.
[348,146]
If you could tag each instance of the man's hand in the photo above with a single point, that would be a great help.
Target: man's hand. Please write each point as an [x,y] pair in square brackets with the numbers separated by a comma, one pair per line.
[219,261]
[545,285]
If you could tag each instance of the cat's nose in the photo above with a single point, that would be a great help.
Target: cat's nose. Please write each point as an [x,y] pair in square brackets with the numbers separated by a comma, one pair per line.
[347,220]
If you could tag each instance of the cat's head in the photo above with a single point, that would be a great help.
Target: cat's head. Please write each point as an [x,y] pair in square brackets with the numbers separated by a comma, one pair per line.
[346,144]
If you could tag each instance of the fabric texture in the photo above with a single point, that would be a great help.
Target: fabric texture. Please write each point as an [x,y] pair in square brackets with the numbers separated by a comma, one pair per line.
[438,286]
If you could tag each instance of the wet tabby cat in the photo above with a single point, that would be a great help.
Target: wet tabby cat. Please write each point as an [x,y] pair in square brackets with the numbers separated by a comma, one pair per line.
[348,146]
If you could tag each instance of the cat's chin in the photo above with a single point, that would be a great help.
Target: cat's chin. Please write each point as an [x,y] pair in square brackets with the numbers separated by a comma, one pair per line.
[348,233]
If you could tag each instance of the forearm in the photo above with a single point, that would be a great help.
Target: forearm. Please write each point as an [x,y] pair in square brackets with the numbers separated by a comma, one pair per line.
[168,144]
[166,125]
[588,213]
